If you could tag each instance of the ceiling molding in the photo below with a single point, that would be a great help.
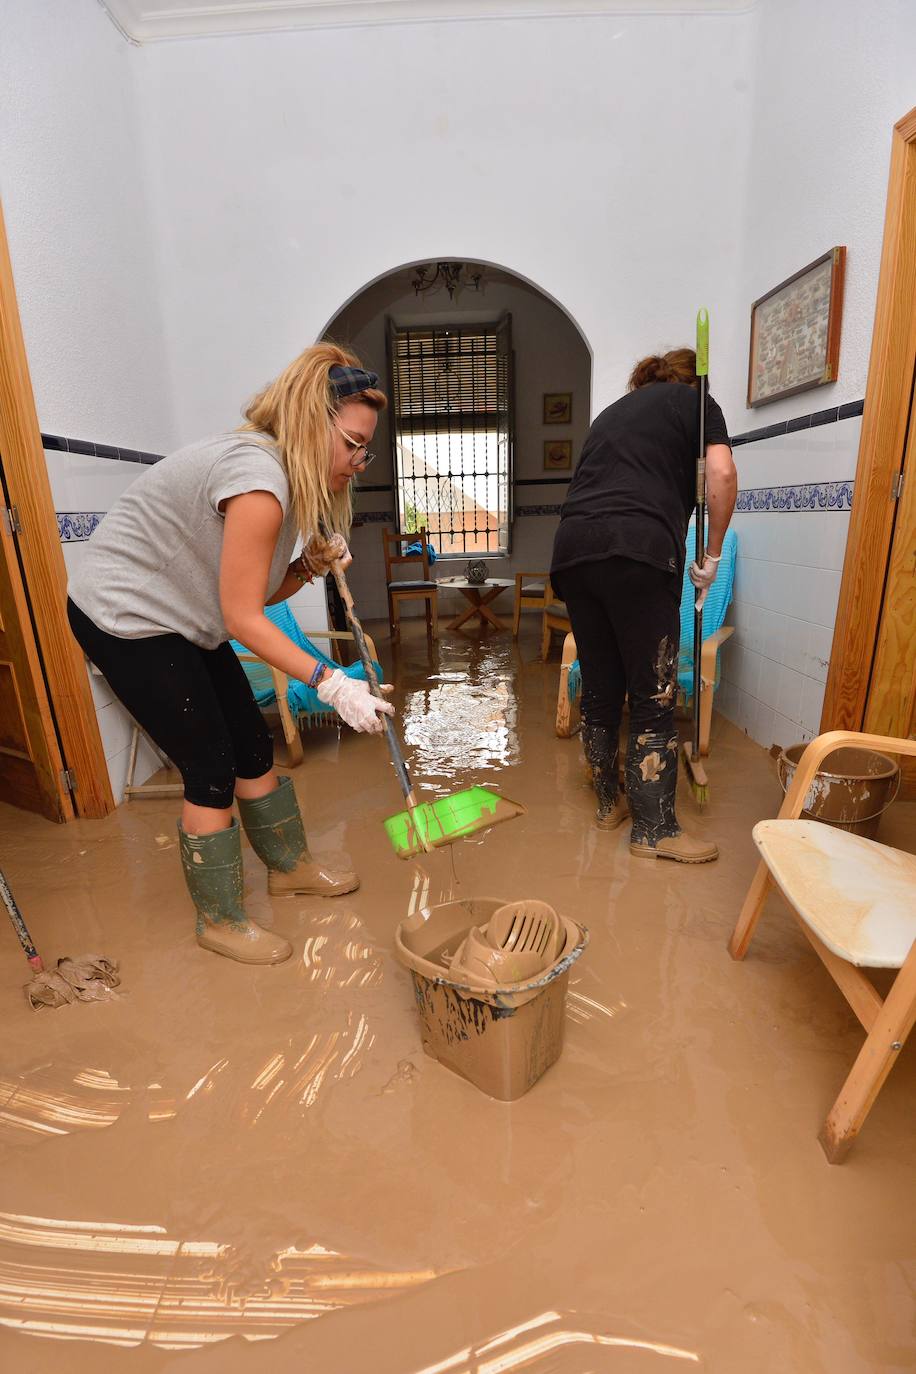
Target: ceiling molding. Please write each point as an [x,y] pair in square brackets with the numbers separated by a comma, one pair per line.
[149,21]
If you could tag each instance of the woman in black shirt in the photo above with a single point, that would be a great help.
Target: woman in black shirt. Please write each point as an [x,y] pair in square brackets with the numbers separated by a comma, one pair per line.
[618,563]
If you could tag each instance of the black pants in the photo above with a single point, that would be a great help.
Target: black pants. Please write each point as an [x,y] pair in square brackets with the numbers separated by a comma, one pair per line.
[195,704]
[625,616]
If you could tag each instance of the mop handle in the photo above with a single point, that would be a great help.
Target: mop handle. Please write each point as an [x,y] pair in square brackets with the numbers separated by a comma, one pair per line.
[397,758]
[702,366]
[15,915]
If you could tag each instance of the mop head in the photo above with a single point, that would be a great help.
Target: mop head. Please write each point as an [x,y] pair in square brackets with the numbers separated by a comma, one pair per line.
[696,775]
[88,979]
[448,819]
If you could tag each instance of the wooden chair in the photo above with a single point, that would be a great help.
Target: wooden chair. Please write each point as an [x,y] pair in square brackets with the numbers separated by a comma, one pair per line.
[423,589]
[528,595]
[855,901]
[555,621]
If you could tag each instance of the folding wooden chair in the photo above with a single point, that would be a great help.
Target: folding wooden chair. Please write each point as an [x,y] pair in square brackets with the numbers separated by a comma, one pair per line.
[855,901]
[423,589]
[555,619]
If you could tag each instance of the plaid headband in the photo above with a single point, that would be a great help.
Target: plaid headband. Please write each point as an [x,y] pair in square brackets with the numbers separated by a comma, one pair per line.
[348,381]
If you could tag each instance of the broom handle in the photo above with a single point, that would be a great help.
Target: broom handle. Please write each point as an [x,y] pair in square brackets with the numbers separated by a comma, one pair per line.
[394,748]
[25,939]
[700,517]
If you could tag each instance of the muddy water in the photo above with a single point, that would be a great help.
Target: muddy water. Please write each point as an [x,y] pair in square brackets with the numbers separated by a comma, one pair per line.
[242,1169]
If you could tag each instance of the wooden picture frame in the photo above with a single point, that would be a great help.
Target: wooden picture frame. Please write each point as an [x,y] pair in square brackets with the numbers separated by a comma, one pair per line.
[557,455]
[557,407]
[795,332]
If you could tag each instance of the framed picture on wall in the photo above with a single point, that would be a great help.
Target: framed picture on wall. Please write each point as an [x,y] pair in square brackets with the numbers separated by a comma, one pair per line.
[795,332]
[557,407]
[557,455]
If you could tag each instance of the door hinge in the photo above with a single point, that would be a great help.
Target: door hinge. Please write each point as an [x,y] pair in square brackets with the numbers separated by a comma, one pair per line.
[11,520]
[897,487]
[68,779]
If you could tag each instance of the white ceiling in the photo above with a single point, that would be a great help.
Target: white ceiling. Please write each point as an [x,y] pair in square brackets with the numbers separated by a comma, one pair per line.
[145,21]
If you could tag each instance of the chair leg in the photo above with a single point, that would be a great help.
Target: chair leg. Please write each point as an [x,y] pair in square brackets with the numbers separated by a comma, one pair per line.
[427,604]
[545,640]
[873,1063]
[391,629]
[516,618]
[706,695]
[434,611]
[395,618]
[750,912]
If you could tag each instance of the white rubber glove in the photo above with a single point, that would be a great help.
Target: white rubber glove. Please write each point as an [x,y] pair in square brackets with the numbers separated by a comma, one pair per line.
[319,554]
[703,578]
[354,703]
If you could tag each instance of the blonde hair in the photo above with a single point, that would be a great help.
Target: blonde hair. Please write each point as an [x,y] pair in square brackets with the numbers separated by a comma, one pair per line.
[297,410]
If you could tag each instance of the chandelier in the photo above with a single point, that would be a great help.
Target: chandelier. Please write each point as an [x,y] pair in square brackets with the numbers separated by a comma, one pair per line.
[454,276]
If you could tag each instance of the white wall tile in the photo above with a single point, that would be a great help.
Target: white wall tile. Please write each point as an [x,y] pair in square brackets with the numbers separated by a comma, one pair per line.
[794,643]
[811,704]
[768,681]
[115,727]
[817,657]
[789,694]
[785,732]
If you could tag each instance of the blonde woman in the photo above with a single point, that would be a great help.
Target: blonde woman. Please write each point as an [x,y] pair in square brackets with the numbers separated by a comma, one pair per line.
[186,560]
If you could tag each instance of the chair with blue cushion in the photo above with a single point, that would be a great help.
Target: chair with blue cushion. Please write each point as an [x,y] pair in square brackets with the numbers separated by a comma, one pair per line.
[410,548]
[296,703]
[715,633]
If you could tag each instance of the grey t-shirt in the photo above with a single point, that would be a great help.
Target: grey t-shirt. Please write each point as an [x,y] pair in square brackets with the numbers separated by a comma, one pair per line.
[152,565]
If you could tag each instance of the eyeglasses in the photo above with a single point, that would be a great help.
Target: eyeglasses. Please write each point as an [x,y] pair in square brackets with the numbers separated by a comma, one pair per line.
[358,447]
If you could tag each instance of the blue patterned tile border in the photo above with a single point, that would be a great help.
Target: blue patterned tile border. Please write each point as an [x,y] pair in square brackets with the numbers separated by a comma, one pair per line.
[76,525]
[538,510]
[807,496]
[374,517]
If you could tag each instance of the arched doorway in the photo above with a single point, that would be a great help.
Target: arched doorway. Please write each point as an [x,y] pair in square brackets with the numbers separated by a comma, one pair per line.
[444,470]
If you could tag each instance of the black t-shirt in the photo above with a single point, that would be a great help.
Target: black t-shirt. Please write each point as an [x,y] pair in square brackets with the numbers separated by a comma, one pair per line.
[634,488]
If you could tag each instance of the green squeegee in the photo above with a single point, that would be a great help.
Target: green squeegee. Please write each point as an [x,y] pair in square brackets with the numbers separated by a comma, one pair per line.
[425,825]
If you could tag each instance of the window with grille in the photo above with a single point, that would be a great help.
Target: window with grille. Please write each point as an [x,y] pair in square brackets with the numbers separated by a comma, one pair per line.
[451,389]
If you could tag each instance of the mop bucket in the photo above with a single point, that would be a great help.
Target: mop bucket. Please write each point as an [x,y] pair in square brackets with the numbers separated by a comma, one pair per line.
[850,791]
[501,1039]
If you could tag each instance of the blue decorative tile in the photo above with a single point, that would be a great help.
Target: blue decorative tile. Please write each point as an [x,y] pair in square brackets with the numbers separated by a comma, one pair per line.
[538,510]
[850,409]
[76,525]
[805,497]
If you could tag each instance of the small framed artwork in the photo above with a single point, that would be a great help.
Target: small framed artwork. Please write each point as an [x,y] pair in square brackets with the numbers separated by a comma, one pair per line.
[557,455]
[557,407]
[795,332]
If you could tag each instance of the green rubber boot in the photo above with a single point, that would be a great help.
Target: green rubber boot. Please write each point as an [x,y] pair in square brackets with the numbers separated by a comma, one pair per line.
[213,872]
[274,828]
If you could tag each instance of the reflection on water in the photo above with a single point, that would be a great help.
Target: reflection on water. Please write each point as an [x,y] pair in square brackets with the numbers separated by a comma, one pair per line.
[121,1284]
[561,1349]
[463,719]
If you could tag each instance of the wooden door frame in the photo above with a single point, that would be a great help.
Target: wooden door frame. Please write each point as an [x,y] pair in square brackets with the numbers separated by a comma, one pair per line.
[38,543]
[881,447]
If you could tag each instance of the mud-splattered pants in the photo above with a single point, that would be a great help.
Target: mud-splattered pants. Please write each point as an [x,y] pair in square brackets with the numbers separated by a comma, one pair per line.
[625,616]
[195,704]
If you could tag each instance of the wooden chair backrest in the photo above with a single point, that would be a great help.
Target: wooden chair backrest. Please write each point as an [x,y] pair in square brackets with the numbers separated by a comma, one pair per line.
[392,539]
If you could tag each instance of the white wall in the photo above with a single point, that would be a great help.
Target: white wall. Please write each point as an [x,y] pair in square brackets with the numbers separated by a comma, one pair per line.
[830,79]
[290,170]
[550,355]
[78,222]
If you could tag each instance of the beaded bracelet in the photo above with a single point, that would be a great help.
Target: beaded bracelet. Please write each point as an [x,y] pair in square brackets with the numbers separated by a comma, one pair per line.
[317,674]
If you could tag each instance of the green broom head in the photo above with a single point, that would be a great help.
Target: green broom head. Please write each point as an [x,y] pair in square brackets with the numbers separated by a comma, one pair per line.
[448,819]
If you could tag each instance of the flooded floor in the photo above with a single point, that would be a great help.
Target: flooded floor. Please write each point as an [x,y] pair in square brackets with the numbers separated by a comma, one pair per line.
[257,1169]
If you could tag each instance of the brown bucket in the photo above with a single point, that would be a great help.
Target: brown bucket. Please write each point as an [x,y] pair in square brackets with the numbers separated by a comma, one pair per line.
[500,1039]
[851,790]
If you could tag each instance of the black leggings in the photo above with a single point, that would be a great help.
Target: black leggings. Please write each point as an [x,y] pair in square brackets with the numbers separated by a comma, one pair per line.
[195,704]
[625,616]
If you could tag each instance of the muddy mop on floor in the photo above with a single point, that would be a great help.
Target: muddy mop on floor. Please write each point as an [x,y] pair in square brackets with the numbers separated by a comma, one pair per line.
[89,978]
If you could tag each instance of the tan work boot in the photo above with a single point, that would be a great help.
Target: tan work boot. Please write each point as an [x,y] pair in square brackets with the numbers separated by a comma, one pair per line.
[682,848]
[610,820]
[274,828]
[213,872]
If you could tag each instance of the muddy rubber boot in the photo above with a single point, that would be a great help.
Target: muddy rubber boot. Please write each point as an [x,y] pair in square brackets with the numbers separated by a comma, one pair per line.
[213,872]
[682,848]
[274,828]
[601,747]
